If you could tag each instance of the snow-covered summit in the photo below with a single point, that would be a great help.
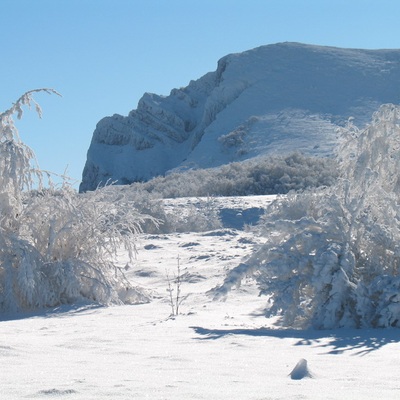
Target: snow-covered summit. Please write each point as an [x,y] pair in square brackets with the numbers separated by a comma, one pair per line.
[272,99]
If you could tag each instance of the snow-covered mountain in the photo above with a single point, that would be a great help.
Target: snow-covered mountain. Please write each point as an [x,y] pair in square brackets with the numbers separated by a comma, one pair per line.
[272,99]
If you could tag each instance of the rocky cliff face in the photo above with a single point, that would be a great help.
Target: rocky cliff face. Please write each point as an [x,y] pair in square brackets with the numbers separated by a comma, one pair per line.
[272,99]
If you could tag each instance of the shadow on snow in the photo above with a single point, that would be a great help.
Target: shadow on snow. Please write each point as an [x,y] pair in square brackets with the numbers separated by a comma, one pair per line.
[338,341]
[64,310]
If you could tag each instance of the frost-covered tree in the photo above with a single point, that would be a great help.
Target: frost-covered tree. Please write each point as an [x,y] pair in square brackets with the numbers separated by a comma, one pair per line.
[57,246]
[332,257]
[18,166]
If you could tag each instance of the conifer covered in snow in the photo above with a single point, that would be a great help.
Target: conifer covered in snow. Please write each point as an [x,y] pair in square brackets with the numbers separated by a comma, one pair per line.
[332,255]
[57,246]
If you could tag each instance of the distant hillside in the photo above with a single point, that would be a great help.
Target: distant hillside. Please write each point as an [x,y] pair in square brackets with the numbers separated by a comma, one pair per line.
[270,100]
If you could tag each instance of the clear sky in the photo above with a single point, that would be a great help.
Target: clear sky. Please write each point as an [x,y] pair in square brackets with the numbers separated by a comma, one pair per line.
[102,55]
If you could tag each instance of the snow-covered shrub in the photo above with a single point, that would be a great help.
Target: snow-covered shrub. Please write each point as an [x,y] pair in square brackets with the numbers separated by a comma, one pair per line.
[332,257]
[234,138]
[199,217]
[145,203]
[56,246]
[78,237]
[18,166]
[259,176]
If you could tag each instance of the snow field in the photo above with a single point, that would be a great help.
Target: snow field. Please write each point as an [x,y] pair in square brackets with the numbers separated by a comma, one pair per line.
[212,350]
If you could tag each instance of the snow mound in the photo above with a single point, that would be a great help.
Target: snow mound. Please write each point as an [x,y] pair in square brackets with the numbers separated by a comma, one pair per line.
[301,370]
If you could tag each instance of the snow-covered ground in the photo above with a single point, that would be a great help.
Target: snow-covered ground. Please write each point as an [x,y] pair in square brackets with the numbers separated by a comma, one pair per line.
[211,350]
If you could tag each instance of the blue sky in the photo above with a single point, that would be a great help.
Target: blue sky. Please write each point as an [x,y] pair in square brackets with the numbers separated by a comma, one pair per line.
[102,55]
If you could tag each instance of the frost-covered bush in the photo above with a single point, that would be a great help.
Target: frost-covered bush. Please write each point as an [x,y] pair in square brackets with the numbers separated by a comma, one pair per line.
[56,246]
[199,215]
[148,204]
[259,176]
[234,138]
[332,258]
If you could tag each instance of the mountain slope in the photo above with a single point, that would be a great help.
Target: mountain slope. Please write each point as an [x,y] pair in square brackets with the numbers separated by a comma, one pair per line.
[271,99]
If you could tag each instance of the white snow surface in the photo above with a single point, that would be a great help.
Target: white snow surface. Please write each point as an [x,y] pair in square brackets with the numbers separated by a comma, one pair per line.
[272,99]
[212,350]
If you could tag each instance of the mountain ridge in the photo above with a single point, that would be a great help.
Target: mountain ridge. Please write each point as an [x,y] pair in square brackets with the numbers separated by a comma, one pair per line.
[272,99]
